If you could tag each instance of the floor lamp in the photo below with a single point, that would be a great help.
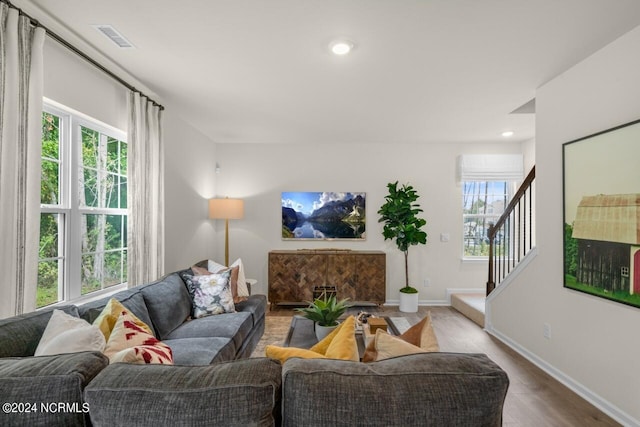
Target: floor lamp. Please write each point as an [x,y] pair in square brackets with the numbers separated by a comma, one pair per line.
[226,209]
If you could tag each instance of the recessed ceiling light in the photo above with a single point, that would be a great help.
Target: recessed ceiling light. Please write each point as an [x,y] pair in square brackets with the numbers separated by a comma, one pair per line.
[507,133]
[341,47]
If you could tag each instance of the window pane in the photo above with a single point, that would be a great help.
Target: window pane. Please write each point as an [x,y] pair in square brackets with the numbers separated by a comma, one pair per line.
[90,143]
[49,232]
[91,232]
[123,158]
[50,182]
[50,136]
[91,273]
[113,232]
[123,192]
[88,188]
[48,277]
[124,231]
[112,161]
[125,270]
[112,268]
[110,191]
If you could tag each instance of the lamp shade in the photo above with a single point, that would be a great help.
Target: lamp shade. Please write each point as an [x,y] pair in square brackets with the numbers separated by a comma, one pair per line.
[226,208]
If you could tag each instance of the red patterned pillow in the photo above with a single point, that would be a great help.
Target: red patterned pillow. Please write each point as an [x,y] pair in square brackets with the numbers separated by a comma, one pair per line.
[130,343]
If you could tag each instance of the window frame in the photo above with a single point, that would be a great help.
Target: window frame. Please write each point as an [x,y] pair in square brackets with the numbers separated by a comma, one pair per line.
[68,208]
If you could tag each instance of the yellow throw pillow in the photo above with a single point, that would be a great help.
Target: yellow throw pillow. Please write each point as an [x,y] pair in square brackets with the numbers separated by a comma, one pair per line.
[323,345]
[284,353]
[339,344]
[386,346]
[344,345]
[109,315]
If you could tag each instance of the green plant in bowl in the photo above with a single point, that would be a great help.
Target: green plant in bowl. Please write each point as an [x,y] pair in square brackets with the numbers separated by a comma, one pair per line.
[325,310]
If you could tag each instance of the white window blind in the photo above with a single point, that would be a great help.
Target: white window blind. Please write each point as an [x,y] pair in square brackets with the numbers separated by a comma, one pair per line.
[490,167]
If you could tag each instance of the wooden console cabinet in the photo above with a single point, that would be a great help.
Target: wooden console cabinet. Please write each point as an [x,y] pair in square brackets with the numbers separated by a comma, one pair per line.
[357,275]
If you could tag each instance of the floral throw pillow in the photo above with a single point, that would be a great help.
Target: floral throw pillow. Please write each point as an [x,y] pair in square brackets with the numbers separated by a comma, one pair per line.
[210,294]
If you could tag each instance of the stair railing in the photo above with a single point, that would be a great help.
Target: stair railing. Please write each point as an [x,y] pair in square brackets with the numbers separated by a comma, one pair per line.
[512,236]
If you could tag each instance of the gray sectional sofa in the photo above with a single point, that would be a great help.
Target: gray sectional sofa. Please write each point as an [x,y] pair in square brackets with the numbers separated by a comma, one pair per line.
[213,382]
[164,305]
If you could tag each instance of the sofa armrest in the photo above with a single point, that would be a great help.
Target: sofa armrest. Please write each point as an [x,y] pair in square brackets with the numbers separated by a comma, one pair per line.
[238,393]
[416,390]
[40,382]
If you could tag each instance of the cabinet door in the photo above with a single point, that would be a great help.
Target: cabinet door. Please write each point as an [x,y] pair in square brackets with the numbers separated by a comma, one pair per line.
[341,273]
[371,278]
[293,276]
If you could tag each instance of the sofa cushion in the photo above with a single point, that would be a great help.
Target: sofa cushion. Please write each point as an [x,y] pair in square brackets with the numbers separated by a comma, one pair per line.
[239,393]
[416,390]
[69,334]
[48,379]
[235,326]
[168,302]
[254,304]
[21,334]
[202,350]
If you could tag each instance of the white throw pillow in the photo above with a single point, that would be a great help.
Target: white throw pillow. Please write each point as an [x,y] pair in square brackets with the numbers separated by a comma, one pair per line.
[214,267]
[68,334]
[243,289]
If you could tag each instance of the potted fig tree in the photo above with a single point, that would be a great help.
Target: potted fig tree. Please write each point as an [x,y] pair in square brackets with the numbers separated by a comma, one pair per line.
[399,214]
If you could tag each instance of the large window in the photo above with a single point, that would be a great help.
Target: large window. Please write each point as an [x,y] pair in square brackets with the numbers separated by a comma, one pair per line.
[83,220]
[482,202]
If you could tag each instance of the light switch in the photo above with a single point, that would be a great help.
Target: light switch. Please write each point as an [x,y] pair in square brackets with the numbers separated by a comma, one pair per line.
[444,237]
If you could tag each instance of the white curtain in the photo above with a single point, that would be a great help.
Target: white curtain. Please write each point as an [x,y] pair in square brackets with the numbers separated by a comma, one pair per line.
[21,81]
[145,191]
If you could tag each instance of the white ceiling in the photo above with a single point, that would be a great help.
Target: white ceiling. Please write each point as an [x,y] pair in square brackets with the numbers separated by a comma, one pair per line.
[422,70]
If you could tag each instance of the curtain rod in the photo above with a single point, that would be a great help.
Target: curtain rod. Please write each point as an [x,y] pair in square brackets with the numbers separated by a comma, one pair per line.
[78,52]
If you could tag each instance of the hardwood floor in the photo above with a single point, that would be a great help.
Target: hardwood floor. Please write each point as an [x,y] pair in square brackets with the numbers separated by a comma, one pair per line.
[534,398]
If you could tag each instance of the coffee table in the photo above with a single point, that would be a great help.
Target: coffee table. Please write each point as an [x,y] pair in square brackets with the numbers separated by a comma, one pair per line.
[302,334]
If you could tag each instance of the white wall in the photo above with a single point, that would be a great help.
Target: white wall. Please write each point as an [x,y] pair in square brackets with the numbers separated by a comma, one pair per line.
[259,173]
[189,183]
[74,83]
[594,343]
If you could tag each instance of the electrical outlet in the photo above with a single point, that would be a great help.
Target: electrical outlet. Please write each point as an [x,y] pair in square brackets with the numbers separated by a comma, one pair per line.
[427,283]
[546,331]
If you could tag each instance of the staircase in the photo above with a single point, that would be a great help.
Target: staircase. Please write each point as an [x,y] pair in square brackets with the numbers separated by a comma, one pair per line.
[511,239]
[471,305]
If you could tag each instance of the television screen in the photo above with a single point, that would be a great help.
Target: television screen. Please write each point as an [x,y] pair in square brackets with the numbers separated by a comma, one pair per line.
[323,215]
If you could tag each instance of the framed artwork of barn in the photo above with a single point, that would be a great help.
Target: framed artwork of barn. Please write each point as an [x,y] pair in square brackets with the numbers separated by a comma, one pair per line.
[601,177]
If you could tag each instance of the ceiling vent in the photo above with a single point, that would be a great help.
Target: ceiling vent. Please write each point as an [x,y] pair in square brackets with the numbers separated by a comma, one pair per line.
[113,35]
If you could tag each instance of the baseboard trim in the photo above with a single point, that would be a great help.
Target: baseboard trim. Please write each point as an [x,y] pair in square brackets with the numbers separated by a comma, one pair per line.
[591,397]
[437,302]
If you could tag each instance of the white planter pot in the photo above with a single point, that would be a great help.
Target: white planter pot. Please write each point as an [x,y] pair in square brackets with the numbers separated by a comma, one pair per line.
[323,331]
[408,303]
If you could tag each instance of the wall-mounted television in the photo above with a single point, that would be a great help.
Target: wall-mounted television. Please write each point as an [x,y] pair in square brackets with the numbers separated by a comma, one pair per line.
[314,215]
